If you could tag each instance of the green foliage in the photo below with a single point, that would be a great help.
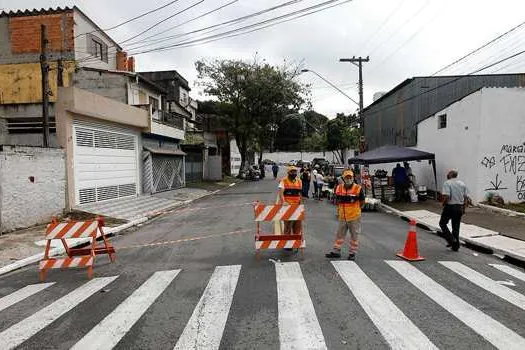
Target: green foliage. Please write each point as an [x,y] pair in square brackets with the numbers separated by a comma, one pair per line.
[253,97]
[342,133]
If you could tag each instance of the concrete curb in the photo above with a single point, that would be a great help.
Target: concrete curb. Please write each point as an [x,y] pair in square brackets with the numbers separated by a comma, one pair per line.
[111,231]
[501,210]
[470,241]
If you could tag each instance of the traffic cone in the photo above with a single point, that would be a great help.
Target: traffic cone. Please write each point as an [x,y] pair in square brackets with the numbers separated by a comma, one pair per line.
[410,251]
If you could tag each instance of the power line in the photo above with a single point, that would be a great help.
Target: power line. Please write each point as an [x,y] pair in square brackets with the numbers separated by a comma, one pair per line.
[186,22]
[450,82]
[385,21]
[406,42]
[233,32]
[134,18]
[480,48]
[163,20]
[421,9]
[232,21]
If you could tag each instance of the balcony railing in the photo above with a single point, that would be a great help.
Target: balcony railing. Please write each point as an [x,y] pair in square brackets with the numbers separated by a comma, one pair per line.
[169,119]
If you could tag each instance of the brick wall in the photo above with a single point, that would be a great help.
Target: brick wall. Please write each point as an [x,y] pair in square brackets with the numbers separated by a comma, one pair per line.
[24,32]
[33,186]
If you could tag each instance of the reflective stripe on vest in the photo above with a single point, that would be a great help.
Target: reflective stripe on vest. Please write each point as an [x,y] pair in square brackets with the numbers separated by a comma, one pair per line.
[292,191]
[348,206]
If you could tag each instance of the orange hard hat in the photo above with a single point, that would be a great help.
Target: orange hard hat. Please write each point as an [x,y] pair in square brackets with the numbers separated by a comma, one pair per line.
[348,172]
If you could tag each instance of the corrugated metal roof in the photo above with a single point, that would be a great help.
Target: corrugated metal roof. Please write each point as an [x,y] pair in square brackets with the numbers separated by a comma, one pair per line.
[392,119]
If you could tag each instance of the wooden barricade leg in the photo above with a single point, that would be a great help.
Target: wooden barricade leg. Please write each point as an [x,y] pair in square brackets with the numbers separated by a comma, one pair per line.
[107,246]
[93,246]
[42,273]
[66,248]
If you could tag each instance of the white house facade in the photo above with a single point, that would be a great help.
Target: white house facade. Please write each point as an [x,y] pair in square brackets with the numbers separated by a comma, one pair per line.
[483,136]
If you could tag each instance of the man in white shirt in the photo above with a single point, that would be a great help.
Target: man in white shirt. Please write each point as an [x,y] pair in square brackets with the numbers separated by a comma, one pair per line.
[455,199]
[319,179]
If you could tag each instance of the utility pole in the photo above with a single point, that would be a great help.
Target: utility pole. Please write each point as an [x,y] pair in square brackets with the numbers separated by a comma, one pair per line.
[358,61]
[44,67]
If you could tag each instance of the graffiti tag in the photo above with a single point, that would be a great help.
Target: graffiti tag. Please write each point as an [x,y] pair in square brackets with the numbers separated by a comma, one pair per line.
[520,187]
[488,162]
[513,164]
[496,185]
[512,148]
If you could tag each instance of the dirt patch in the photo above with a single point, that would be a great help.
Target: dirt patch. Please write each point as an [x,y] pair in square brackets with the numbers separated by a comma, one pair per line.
[213,185]
[77,215]
[519,207]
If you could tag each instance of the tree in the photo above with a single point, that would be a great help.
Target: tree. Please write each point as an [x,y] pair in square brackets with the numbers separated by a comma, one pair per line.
[342,133]
[259,94]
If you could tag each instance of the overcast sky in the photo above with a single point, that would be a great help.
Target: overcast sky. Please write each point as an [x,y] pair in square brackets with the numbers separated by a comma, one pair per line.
[404,38]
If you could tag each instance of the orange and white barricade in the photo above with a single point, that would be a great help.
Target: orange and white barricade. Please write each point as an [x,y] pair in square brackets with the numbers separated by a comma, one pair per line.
[273,213]
[76,257]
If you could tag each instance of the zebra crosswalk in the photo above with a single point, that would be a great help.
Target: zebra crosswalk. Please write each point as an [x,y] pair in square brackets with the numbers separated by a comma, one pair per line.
[299,318]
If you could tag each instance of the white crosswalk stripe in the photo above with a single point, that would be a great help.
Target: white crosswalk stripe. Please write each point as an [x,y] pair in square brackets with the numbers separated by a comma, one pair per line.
[486,283]
[298,324]
[25,329]
[510,271]
[492,330]
[110,331]
[206,325]
[296,318]
[396,328]
[22,294]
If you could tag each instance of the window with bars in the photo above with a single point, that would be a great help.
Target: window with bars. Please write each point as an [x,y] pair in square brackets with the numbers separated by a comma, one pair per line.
[442,121]
[97,47]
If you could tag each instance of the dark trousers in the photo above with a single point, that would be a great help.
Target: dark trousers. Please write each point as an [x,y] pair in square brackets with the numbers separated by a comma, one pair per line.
[306,188]
[399,191]
[451,212]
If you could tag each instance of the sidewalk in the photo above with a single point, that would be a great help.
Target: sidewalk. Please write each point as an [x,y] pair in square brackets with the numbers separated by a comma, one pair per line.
[495,232]
[21,244]
[513,227]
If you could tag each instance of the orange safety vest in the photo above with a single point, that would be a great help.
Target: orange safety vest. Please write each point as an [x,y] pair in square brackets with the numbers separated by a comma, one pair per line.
[348,203]
[292,190]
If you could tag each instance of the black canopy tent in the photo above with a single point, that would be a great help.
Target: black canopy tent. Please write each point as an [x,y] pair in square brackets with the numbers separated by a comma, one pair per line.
[393,154]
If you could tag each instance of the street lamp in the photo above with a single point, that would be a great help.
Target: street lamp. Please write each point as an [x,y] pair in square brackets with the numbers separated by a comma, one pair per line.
[331,84]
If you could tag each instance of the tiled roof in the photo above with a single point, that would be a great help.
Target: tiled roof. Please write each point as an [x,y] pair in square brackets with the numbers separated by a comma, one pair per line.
[35,12]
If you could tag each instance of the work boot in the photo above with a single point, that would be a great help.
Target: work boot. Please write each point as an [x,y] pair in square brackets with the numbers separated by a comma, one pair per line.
[455,246]
[333,255]
[351,256]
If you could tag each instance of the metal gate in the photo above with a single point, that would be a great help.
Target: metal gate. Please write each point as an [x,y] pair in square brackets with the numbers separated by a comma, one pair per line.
[163,173]
[193,166]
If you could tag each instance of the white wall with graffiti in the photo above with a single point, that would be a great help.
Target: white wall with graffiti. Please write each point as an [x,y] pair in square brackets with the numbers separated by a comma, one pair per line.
[483,136]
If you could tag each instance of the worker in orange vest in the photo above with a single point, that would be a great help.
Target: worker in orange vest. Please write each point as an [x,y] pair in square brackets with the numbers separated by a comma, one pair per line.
[290,189]
[349,198]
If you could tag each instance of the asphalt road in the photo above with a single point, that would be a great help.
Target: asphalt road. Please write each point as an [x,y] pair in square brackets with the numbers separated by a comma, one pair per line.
[190,280]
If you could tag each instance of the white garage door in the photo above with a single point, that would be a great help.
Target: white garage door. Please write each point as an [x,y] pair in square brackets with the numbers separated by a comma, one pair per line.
[105,164]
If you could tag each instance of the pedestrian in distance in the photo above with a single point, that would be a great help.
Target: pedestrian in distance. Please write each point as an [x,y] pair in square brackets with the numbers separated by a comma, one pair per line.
[400,178]
[275,170]
[314,180]
[262,170]
[455,201]
[305,179]
[319,180]
[350,198]
[289,194]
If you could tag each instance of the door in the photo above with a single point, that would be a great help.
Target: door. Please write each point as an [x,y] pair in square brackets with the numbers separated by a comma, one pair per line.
[105,164]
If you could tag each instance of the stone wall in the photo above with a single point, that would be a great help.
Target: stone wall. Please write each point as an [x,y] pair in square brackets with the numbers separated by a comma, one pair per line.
[32,186]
